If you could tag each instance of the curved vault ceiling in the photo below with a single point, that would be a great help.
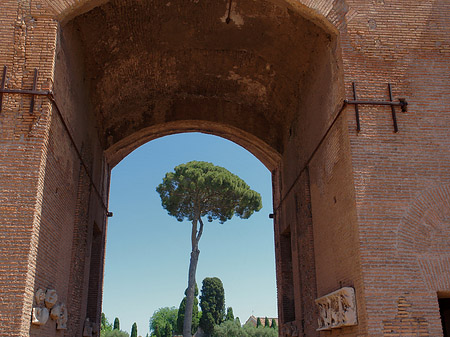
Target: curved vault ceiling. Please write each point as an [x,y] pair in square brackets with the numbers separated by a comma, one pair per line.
[153,62]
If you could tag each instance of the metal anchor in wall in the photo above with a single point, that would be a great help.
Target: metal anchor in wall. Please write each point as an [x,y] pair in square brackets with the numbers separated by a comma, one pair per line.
[33,92]
[401,103]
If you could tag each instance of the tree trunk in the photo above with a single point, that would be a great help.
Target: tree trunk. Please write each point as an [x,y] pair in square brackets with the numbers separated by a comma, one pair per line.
[187,324]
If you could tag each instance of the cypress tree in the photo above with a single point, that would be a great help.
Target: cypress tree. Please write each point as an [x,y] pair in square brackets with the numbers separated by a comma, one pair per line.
[116,324]
[212,302]
[274,324]
[258,323]
[134,330]
[266,323]
[230,315]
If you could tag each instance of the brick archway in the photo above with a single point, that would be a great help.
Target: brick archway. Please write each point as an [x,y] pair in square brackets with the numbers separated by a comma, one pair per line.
[271,80]
[126,72]
[268,80]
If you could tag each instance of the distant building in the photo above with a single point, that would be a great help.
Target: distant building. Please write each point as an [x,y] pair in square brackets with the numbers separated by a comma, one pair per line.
[252,320]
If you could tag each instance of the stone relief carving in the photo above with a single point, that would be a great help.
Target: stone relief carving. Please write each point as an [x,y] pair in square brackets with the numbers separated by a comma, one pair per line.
[46,307]
[337,309]
[39,297]
[50,298]
[39,316]
[289,329]
[59,314]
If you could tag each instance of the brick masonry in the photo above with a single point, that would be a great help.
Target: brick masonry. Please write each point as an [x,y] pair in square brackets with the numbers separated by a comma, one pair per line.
[368,210]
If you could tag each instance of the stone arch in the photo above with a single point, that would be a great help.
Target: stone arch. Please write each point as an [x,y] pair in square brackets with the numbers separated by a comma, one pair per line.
[259,149]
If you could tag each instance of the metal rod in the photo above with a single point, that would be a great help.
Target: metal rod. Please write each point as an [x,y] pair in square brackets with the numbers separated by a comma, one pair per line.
[229,13]
[358,125]
[34,89]
[51,97]
[308,162]
[2,86]
[25,92]
[394,115]
[349,101]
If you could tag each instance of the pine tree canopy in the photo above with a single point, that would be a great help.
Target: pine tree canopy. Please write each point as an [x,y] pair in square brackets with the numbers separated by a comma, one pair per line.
[197,189]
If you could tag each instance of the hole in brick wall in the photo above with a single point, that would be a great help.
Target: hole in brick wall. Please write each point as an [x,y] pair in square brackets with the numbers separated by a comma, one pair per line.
[444,309]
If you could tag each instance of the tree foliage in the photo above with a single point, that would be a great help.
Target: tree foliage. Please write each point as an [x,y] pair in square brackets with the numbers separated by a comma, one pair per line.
[198,189]
[258,322]
[232,329]
[104,324]
[230,315]
[266,322]
[115,333]
[212,302]
[163,322]
[251,331]
[227,329]
[134,330]
[116,324]
[274,324]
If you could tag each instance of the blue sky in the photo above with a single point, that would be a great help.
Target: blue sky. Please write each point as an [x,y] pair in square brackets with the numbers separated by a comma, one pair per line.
[147,251]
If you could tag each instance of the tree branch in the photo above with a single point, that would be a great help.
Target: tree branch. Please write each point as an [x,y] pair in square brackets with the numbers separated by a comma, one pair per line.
[200,231]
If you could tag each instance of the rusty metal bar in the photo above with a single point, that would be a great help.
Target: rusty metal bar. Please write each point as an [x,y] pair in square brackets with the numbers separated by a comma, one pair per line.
[356,102]
[394,115]
[50,96]
[34,89]
[229,13]
[358,125]
[26,92]
[33,92]
[2,86]
[401,103]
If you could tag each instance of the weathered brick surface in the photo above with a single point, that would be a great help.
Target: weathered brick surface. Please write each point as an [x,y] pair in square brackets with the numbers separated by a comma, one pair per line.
[368,209]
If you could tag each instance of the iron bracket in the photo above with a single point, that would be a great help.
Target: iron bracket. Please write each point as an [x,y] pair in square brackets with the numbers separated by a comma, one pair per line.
[402,103]
[33,92]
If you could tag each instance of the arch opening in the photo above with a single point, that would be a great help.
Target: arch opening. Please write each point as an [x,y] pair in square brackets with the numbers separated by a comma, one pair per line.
[239,252]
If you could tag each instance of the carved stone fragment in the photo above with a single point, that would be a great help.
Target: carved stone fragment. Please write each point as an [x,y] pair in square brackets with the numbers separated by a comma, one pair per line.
[50,298]
[39,297]
[61,320]
[337,309]
[39,316]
